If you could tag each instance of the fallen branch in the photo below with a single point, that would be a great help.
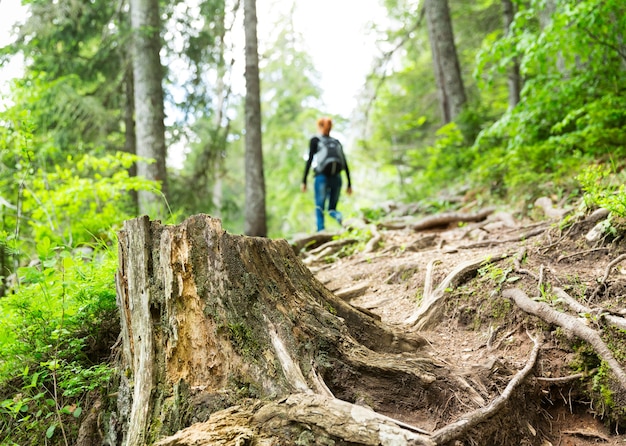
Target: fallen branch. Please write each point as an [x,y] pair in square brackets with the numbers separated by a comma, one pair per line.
[460,428]
[569,323]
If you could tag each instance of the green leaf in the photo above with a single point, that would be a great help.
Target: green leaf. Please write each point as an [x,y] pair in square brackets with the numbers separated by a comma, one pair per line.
[50,431]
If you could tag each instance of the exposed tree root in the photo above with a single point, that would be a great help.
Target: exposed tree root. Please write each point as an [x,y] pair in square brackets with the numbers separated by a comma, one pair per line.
[264,423]
[372,244]
[312,241]
[460,428]
[486,243]
[569,323]
[428,312]
[580,254]
[445,219]
[349,422]
[549,210]
[602,282]
[579,308]
[327,249]
[566,379]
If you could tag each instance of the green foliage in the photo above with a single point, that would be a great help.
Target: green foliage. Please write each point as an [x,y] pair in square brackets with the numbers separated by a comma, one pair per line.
[603,189]
[572,110]
[78,203]
[60,319]
[56,331]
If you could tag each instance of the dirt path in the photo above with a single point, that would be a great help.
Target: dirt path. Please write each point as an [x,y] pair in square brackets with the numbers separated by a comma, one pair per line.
[480,333]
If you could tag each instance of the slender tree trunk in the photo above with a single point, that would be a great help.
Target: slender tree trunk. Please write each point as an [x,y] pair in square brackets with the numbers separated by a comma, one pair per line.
[445,59]
[514,79]
[444,107]
[255,218]
[148,94]
[130,139]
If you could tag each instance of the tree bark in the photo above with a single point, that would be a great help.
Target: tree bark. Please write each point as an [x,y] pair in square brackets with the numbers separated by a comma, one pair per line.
[514,78]
[130,139]
[255,218]
[238,328]
[148,94]
[445,60]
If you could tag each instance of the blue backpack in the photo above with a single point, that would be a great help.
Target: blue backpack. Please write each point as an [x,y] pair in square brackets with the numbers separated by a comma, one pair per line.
[329,156]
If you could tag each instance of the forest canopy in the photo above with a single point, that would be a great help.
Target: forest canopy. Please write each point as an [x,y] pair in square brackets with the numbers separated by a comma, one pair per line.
[518,99]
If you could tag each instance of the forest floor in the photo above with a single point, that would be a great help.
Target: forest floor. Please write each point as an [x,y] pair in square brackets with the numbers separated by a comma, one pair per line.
[480,331]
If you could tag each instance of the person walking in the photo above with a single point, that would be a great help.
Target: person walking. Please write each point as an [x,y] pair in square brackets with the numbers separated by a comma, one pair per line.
[328,161]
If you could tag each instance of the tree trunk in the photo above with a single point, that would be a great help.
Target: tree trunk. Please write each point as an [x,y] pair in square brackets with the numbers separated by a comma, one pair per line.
[445,60]
[148,94]
[130,140]
[255,219]
[514,79]
[238,328]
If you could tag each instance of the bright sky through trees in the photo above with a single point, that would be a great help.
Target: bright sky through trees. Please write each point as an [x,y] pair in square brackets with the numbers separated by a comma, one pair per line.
[10,12]
[335,34]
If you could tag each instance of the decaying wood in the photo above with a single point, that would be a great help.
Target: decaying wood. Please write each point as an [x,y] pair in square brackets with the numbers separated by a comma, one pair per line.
[206,314]
[570,324]
[134,300]
[260,422]
[447,218]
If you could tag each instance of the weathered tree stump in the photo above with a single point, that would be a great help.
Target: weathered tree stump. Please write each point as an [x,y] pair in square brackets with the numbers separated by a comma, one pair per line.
[236,332]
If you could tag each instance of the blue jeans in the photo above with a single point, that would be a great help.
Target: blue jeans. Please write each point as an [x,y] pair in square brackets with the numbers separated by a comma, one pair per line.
[327,189]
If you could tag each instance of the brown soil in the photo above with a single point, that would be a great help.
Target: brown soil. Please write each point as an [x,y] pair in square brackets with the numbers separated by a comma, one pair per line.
[482,334]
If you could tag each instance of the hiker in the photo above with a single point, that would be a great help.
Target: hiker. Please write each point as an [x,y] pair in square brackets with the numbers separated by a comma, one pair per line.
[328,160]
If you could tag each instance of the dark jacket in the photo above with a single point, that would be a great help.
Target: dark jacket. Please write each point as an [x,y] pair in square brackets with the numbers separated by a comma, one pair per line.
[312,151]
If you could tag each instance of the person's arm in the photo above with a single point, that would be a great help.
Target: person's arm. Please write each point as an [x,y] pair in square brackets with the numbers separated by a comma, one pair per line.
[312,149]
[347,169]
